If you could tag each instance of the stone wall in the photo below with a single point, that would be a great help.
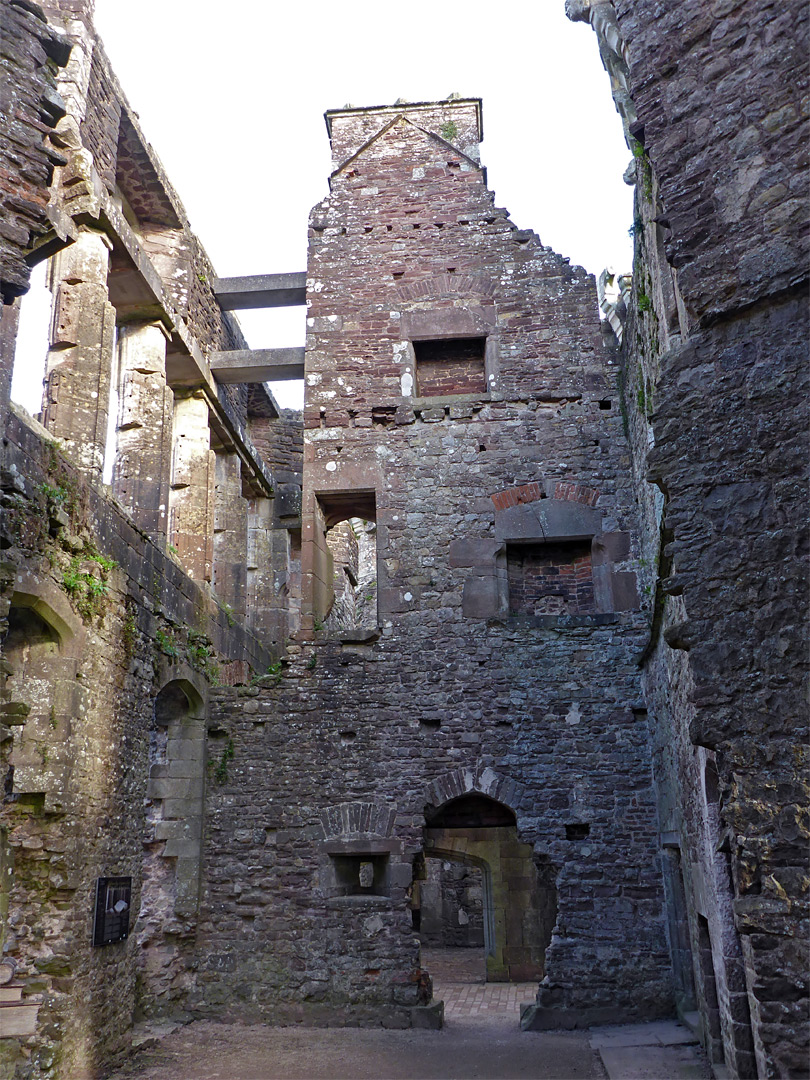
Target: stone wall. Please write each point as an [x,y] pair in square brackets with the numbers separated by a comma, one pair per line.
[451,694]
[29,107]
[714,374]
[110,645]
[640,716]
[99,620]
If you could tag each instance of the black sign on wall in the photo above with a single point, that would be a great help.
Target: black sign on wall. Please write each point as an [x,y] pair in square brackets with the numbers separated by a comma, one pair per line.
[113,899]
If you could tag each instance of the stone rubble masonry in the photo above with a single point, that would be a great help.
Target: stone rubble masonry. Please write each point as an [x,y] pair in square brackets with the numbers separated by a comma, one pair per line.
[453,692]
[78,715]
[29,109]
[715,375]
[651,749]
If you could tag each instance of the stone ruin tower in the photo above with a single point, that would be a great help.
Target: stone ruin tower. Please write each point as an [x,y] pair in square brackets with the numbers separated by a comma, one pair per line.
[458,396]
[497,568]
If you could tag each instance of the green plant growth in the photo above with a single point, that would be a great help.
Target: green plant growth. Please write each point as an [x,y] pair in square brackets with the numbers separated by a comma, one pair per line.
[64,490]
[55,493]
[166,643]
[621,387]
[129,635]
[640,153]
[274,671]
[449,131]
[644,397]
[201,656]
[85,582]
[312,662]
[221,769]
[644,303]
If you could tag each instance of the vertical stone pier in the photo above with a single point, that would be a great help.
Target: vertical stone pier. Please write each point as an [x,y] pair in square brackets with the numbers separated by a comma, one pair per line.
[192,487]
[79,368]
[143,459]
[230,533]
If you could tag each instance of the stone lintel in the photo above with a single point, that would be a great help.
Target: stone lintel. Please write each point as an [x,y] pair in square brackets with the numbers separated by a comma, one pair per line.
[257,365]
[261,291]
[374,845]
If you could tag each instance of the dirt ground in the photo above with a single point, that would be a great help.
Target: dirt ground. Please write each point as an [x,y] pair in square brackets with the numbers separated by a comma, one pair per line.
[469,1048]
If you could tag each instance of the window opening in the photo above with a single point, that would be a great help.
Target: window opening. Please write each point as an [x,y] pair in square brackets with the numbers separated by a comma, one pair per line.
[364,874]
[31,349]
[550,579]
[450,366]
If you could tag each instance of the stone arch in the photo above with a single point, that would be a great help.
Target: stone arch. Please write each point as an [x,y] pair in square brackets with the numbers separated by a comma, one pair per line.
[482,780]
[351,820]
[520,893]
[175,785]
[51,605]
[192,684]
[173,833]
[474,286]
[41,650]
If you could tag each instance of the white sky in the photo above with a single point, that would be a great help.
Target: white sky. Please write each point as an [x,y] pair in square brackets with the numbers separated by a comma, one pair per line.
[232,99]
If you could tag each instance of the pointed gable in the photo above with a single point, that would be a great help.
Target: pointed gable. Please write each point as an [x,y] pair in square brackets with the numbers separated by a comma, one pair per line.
[456,122]
[402,144]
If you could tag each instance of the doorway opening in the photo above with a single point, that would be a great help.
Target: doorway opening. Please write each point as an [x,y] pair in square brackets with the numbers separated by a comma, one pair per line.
[478,887]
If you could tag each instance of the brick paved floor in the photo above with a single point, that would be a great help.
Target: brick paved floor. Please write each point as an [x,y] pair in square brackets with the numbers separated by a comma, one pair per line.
[459,981]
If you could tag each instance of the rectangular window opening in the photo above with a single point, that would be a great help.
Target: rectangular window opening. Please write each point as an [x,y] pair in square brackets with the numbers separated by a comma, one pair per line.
[550,579]
[360,875]
[450,366]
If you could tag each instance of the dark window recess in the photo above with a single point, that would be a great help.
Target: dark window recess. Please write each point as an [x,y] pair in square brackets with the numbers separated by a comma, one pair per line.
[577,831]
[451,366]
[471,812]
[361,875]
[550,579]
[113,901]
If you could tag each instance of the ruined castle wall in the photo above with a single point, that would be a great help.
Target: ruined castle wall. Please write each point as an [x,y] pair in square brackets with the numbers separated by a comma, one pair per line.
[338,754]
[29,106]
[280,442]
[715,391]
[108,645]
[99,620]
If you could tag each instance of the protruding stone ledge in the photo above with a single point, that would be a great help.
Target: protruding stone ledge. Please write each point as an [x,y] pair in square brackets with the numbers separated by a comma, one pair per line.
[261,291]
[258,365]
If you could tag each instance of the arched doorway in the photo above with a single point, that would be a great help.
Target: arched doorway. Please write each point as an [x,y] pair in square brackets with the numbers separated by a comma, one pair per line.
[518,903]
[172,843]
